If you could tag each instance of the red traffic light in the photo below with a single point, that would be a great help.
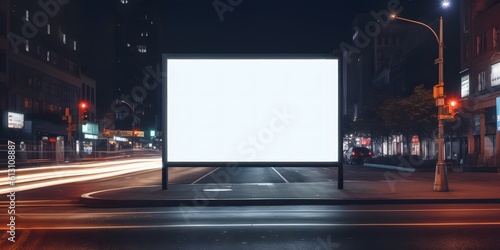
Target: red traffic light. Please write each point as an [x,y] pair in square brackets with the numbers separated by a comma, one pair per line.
[453,103]
[83,105]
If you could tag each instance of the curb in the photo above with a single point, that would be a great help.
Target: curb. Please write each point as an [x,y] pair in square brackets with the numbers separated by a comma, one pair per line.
[96,202]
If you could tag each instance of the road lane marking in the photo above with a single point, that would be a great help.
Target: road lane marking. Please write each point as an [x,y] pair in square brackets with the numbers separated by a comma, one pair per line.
[199,179]
[299,225]
[286,181]
[198,211]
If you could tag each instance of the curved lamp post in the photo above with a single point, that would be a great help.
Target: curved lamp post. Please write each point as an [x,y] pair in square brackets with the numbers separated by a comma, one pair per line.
[440,178]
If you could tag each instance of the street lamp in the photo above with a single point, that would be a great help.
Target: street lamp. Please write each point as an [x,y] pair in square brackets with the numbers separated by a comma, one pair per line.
[440,178]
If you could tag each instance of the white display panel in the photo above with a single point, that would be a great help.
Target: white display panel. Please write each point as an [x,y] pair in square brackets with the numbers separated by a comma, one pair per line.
[252,110]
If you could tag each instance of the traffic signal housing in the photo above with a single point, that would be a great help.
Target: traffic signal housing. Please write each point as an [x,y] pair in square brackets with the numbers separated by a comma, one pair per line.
[450,110]
[84,115]
[453,108]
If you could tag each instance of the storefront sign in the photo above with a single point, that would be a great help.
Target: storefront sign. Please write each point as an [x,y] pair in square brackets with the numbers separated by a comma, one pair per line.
[90,128]
[495,74]
[15,120]
[91,137]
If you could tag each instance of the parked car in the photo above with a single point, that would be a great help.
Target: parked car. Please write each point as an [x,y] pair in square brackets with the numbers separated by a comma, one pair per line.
[357,155]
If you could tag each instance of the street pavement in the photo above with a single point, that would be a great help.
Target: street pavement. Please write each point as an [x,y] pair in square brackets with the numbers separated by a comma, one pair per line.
[398,187]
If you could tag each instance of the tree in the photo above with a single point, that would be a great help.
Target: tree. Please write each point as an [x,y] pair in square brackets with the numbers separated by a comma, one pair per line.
[421,113]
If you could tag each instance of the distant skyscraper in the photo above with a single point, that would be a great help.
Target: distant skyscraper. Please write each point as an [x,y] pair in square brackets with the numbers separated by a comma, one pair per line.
[137,59]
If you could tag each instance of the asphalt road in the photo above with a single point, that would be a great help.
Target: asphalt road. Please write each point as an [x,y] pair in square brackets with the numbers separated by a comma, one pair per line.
[282,227]
[51,217]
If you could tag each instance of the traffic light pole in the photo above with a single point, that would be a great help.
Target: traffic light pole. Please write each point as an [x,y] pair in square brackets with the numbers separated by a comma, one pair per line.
[440,177]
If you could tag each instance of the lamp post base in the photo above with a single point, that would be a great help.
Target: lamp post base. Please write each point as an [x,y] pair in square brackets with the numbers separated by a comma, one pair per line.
[440,179]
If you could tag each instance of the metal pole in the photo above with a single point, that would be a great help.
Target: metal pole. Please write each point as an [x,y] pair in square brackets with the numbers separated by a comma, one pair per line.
[440,177]
[133,126]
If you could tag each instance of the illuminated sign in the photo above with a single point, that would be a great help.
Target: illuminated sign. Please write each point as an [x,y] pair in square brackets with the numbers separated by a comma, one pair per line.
[495,74]
[90,128]
[117,138]
[15,120]
[92,137]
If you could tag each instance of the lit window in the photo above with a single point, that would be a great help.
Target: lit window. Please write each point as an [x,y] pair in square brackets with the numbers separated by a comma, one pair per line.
[27,47]
[128,44]
[74,45]
[142,48]
[26,103]
[465,85]
[27,15]
[147,34]
[64,38]
[48,28]
[48,56]
[124,1]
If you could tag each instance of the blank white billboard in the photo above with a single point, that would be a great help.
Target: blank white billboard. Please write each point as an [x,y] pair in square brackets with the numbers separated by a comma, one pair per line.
[252,110]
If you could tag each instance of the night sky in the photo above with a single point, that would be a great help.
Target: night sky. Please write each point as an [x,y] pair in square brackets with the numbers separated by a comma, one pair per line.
[253,26]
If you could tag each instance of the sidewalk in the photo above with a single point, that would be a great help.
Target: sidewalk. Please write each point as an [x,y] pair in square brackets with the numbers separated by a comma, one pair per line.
[393,190]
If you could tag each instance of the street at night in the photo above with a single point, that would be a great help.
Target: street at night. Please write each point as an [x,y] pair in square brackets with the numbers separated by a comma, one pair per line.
[52,216]
[249,124]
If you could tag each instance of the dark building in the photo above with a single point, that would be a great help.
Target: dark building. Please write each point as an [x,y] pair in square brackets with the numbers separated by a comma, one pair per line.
[480,79]
[40,76]
[138,62]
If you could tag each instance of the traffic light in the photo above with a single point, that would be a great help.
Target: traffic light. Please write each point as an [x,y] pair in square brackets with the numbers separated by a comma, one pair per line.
[84,112]
[85,117]
[450,110]
[453,105]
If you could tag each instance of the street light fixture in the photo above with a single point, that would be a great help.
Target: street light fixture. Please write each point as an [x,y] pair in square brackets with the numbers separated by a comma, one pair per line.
[132,107]
[440,178]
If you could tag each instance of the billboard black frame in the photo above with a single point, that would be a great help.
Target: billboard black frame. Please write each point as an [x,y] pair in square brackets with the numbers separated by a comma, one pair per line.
[166,164]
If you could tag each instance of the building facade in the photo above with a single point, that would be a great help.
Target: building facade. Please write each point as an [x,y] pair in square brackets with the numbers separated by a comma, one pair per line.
[480,79]
[40,74]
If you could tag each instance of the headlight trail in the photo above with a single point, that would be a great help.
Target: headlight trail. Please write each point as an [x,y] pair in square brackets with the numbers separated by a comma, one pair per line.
[70,173]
